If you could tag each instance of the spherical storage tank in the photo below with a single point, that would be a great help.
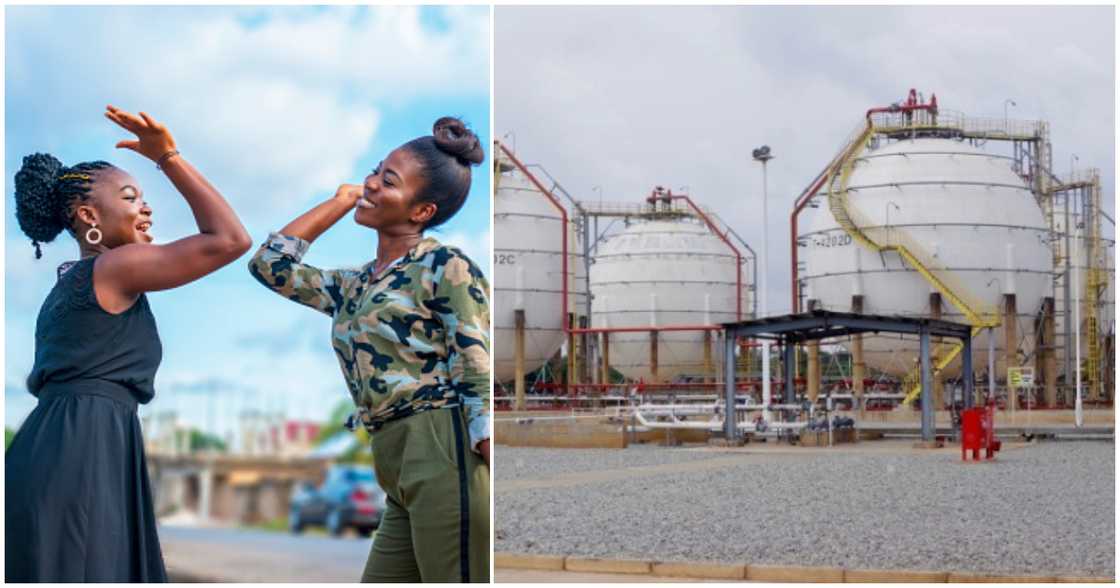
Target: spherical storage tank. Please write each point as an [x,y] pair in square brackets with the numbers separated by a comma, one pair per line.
[528,272]
[972,217]
[664,272]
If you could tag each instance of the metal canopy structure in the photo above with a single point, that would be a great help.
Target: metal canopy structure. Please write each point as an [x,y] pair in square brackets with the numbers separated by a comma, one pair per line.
[792,329]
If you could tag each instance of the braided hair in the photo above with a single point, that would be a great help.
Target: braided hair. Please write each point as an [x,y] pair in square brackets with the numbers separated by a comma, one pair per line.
[46,192]
[446,157]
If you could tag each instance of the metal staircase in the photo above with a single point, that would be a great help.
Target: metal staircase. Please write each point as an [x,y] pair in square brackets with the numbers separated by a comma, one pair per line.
[1096,279]
[895,240]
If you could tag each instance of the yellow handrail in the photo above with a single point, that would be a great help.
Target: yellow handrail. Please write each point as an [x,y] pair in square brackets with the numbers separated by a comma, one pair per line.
[913,381]
[849,220]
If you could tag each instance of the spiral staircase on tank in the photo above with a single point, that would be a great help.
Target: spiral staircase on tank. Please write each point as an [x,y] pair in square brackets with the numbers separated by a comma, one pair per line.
[895,240]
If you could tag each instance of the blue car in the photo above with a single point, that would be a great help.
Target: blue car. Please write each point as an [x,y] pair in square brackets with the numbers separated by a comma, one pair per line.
[349,497]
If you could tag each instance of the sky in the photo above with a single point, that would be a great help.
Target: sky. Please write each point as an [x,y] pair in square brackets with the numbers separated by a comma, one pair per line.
[276,107]
[619,100]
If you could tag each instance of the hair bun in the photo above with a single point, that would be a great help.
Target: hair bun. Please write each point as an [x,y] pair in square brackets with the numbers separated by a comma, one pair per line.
[454,138]
[38,204]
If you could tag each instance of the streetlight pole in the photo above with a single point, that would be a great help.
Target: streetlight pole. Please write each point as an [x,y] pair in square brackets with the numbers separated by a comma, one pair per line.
[1006,123]
[762,154]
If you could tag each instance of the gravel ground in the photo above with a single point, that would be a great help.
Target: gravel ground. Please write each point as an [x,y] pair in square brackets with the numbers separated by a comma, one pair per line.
[1044,509]
[512,463]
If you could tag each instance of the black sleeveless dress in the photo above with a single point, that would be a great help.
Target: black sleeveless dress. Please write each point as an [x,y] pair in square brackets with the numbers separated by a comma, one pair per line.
[78,503]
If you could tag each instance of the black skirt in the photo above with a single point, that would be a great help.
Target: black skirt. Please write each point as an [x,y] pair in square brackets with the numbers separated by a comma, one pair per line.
[78,502]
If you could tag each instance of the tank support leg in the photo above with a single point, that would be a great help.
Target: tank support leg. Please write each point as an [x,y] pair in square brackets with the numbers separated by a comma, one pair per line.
[938,379]
[606,359]
[519,359]
[927,381]
[1010,346]
[858,365]
[708,376]
[729,386]
[1049,355]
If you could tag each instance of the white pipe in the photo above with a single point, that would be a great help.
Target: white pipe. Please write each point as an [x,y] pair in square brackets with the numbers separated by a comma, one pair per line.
[713,425]
[1009,277]
[710,425]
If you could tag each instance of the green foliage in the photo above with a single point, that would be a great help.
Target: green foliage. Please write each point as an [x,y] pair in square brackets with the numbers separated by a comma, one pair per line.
[360,453]
[8,434]
[205,442]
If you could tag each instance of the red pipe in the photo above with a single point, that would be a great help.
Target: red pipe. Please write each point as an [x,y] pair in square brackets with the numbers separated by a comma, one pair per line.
[564,236]
[668,195]
[647,329]
[911,104]
[798,205]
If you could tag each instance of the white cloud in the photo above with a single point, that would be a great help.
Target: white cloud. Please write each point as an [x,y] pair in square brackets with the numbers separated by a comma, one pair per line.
[273,112]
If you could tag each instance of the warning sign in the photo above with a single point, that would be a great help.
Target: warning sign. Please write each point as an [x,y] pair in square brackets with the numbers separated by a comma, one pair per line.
[1020,377]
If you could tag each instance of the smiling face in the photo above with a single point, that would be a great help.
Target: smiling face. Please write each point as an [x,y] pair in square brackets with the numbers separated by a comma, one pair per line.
[388,199]
[116,207]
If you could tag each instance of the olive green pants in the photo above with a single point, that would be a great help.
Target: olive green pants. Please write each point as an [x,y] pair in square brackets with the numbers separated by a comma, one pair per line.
[436,526]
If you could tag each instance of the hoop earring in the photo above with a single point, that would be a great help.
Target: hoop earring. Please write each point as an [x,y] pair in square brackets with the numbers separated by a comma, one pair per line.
[92,240]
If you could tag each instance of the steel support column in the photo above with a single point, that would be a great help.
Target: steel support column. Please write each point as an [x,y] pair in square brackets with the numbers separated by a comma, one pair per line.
[790,361]
[729,385]
[966,372]
[927,384]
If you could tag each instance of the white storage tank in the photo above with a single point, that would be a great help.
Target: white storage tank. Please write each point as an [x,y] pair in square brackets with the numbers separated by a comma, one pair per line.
[661,273]
[528,272]
[970,214]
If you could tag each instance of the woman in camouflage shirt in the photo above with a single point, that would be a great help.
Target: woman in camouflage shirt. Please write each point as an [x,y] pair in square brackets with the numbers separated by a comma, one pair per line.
[411,332]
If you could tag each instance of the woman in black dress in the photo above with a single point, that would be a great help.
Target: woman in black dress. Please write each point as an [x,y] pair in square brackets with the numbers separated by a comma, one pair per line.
[78,505]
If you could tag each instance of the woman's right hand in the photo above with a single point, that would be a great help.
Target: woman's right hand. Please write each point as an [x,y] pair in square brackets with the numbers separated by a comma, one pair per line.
[153,139]
[348,194]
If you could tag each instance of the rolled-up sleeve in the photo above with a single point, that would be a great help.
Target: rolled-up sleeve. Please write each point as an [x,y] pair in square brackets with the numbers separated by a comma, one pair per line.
[461,302]
[277,265]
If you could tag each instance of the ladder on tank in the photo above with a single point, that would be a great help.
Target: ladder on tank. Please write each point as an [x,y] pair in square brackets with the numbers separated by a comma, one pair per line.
[1087,185]
[894,240]
[1096,279]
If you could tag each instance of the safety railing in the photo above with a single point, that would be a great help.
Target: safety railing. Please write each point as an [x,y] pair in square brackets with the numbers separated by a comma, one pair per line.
[949,120]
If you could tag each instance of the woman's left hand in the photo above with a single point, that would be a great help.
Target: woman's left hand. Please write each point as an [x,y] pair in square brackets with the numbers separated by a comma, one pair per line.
[153,140]
[484,449]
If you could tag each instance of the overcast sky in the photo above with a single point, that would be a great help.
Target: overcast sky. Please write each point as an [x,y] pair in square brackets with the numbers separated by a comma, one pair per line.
[277,107]
[632,97]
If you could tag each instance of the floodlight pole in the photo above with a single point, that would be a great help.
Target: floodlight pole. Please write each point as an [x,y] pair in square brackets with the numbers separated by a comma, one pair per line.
[762,154]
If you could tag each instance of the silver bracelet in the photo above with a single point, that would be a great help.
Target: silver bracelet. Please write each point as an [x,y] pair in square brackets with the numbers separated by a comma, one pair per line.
[163,158]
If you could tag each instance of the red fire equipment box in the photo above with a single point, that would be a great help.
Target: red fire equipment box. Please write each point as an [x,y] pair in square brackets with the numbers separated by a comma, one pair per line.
[978,432]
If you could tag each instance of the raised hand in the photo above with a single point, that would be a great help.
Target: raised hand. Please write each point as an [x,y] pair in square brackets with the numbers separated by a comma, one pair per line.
[348,194]
[153,139]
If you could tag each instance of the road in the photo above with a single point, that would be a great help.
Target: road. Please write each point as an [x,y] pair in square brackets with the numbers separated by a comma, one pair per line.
[207,554]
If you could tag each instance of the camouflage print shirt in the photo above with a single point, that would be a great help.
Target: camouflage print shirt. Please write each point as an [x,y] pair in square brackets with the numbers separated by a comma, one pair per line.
[412,338]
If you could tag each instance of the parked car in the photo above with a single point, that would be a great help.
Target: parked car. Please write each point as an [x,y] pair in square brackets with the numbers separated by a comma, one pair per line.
[349,497]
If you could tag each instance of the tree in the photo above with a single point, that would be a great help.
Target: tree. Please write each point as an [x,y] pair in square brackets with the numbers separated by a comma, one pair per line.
[360,453]
[200,441]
